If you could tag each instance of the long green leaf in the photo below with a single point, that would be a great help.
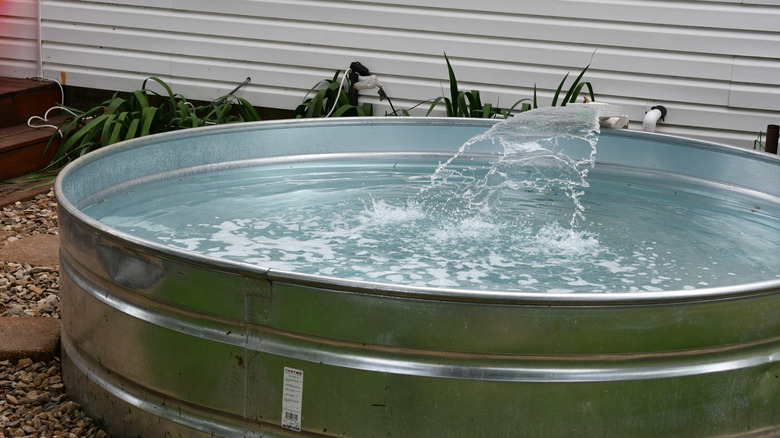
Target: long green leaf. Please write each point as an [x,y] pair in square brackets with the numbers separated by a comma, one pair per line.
[590,91]
[453,86]
[536,103]
[519,102]
[183,113]
[108,125]
[558,91]
[117,105]
[223,112]
[118,127]
[81,133]
[170,97]
[461,109]
[132,129]
[147,118]
[574,87]
[343,109]
[474,103]
[140,100]
[168,90]
[247,111]
[487,111]
[434,104]
[365,110]
[317,86]
[316,104]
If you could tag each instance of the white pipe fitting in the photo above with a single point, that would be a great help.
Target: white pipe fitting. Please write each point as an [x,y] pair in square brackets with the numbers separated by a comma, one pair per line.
[651,118]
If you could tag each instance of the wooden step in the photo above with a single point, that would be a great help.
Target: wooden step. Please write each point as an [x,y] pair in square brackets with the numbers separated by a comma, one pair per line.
[21,99]
[24,150]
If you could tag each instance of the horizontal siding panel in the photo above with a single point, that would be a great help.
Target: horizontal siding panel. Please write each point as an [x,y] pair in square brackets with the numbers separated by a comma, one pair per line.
[19,28]
[745,96]
[345,33]
[18,68]
[707,67]
[689,14]
[427,63]
[422,12]
[757,71]
[19,9]
[290,54]
[91,57]
[18,38]
[19,50]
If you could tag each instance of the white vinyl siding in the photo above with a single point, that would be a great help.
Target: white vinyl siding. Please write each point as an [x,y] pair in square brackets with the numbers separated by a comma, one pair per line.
[18,38]
[714,65]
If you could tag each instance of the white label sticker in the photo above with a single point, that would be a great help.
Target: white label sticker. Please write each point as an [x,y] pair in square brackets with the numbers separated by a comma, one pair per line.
[292,399]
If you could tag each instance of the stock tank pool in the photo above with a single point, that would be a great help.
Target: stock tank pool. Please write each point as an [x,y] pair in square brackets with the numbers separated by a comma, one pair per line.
[422,277]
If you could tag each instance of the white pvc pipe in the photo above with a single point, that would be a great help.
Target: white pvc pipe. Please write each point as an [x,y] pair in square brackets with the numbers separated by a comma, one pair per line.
[651,118]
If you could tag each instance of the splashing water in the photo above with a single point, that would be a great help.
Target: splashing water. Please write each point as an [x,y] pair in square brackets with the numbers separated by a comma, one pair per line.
[532,161]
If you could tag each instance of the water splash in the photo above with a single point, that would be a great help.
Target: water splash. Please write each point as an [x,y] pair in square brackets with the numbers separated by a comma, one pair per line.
[533,160]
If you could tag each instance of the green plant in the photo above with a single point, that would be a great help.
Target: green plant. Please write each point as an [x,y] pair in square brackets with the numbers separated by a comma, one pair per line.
[574,90]
[124,117]
[573,93]
[330,101]
[468,103]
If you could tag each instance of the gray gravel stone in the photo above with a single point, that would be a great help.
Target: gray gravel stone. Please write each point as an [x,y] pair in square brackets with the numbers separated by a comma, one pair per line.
[33,401]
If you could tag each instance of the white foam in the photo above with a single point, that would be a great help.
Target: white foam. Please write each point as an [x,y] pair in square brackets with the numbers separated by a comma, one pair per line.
[237,244]
[472,228]
[498,260]
[554,239]
[191,244]
[381,213]
[526,280]
[472,275]
[614,267]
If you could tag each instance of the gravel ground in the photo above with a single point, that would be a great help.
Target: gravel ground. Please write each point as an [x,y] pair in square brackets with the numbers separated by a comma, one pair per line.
[33,401]
[28,290]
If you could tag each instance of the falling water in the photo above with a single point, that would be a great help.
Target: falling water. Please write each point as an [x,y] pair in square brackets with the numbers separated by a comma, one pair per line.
[532,161]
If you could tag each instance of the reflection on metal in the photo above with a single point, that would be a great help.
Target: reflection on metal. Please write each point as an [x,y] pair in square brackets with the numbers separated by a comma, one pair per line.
[128,270]
[162,342]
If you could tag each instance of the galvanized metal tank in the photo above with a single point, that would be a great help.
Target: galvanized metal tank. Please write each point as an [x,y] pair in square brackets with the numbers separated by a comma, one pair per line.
[158,341]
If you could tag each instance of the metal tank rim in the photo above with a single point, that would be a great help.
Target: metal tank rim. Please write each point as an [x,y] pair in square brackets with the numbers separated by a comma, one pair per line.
[405,291]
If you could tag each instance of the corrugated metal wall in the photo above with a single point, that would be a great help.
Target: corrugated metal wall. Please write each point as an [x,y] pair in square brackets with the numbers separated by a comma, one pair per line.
[18,38]
[714,64]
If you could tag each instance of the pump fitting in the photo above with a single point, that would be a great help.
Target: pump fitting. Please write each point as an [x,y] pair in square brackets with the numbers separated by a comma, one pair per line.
[651,118]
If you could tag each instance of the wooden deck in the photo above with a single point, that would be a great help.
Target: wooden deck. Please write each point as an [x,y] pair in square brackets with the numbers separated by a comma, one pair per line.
[23,149]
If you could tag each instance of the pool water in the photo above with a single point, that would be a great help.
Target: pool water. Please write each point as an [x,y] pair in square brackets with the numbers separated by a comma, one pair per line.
[392,218]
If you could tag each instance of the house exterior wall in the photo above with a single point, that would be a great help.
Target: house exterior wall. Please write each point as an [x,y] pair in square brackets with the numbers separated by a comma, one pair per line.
[18,38]
[715,65]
